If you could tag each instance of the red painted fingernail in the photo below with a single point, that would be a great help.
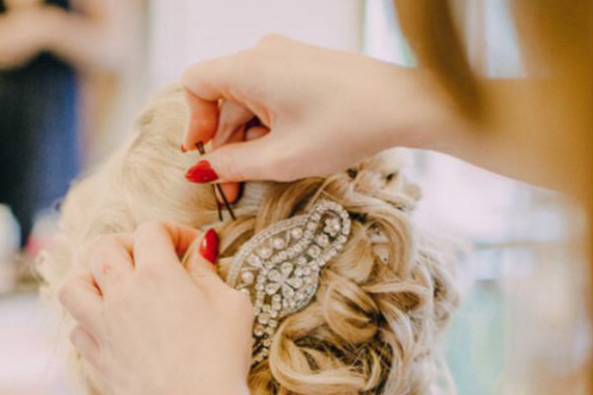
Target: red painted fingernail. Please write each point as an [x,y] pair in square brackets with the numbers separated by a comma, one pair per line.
[209,246]
[183,149]
[201,173]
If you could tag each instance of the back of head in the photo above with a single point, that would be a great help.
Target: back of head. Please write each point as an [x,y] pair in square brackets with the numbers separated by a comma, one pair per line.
[374,323]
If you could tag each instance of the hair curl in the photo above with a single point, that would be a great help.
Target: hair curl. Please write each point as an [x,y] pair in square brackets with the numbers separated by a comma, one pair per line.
[374,325]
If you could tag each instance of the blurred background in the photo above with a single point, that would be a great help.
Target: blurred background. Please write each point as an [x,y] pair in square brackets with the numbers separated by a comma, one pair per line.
[73,74]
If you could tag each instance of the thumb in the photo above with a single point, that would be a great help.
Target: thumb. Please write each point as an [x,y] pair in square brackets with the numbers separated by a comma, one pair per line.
[253,160]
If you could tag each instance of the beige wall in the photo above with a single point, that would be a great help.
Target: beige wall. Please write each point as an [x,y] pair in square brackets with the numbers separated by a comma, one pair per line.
[194,30]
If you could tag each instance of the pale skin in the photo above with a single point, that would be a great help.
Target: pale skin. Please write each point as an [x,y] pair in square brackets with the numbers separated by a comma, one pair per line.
[147,327]
[321,111]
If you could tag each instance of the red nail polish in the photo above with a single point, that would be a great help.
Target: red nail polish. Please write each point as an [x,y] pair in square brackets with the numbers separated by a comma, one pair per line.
[201,173]
[209,246]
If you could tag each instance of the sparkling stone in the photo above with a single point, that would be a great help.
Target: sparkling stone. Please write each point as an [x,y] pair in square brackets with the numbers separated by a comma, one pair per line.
[322,240]
[247,277]
[245,291]
[258,331]
[274,313]
[273,323]
[263,318]
[276,298]
[277,306]
[264,252]
[287,292]
[272,288]
[260,286]
[254,260]
[275,276]
[307,271]
[295,282]
[267,342]
[296,233]
[311,226]
[287,268]
[278,243]
[314,251]
[298,272]
[299,296]
[301,261]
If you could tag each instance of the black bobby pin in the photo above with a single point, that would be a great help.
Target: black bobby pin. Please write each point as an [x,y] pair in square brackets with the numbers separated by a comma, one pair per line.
[218,188]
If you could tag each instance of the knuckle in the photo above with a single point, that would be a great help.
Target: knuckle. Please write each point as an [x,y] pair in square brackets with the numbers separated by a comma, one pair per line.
[187,76]
[64,294]
[150,228]
[230,169]
[271,40]
[102,242]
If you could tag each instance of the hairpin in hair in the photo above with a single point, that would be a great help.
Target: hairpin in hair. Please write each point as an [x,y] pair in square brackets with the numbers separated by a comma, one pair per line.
[218,188]
[279,268]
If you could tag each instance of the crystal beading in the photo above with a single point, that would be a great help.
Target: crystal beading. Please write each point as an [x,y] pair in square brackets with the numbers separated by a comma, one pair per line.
[279,268]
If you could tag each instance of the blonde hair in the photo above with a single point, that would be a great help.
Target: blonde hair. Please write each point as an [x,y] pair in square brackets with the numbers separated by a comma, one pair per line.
[374,324]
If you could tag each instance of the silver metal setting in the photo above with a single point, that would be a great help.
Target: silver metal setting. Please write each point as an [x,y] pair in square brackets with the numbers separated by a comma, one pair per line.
[279,267]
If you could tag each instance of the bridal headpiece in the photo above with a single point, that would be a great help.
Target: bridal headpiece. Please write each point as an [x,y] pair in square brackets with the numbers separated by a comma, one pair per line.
[279,268]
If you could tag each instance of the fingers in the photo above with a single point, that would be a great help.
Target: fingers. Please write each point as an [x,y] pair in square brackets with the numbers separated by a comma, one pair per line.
[110,260]
[86,345]
[158,244]
[80,298]
[203,121]
[207,82]
[233,118]
[251,160]
[214,79]
[231,190]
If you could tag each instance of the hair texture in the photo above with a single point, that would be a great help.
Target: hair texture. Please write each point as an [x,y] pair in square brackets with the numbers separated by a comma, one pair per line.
[374,324]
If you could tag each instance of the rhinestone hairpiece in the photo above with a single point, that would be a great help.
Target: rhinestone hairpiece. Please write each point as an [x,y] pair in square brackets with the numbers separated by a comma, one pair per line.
[279,267]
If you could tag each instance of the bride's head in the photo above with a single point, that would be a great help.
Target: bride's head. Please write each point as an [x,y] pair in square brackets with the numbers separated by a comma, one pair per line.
[373,324]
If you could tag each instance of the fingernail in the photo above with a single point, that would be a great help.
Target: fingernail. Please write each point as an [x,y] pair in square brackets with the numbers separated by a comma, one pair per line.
[201,173]
[209,246]
[183,149]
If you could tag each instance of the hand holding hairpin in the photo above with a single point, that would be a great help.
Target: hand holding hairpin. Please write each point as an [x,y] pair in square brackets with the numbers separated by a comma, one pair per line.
[218,188]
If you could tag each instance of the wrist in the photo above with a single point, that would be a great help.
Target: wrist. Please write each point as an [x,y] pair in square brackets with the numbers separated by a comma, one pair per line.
[420,113]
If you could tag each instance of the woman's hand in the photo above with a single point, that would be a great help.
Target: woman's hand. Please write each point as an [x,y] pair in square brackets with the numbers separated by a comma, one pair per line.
[146,327]
[325,110]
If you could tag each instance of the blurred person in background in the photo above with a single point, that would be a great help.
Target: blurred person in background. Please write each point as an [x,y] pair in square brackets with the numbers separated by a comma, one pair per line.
[46,46]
